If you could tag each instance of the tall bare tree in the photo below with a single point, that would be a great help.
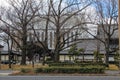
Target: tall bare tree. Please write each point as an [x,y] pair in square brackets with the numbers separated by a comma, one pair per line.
[107,15]
[62,17]
[18,18]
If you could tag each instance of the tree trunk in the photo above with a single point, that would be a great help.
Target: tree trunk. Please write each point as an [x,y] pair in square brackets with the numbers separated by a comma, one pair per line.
[9,55]
[83,57]
[43,62]
[56,56]
[23,61]
[107,52]
[0,59]
[107,58]
[24,45]
[9,59]
[32,63]
[70,57]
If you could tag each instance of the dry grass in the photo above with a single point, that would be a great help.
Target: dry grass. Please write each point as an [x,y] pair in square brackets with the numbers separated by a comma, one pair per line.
[113,67]
[18,67]
[4,67]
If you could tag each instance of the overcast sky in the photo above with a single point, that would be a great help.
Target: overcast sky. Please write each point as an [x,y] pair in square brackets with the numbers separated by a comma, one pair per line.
[90,10]
[3,2]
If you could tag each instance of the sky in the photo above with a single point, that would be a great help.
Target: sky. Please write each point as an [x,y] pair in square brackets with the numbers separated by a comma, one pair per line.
[90,11]
[3,3]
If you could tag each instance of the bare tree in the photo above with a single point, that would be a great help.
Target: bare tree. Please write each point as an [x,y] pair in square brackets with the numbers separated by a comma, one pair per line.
[63,17]
[18,18]
[60,16]
[6,39]
[107,14]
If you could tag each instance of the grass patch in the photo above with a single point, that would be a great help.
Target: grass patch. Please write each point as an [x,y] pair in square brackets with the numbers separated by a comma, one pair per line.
[19,67]
[113,67]
[4,67]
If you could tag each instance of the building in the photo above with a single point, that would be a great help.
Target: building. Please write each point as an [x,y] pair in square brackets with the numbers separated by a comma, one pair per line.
[51,34]
[106,31]
[15,56]
[89,45]
[87,42]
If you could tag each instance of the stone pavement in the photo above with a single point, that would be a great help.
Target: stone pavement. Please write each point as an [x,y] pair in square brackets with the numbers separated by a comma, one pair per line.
[5,72]
[112,72]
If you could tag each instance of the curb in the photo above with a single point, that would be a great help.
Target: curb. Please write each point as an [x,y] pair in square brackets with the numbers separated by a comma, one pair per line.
[4,74]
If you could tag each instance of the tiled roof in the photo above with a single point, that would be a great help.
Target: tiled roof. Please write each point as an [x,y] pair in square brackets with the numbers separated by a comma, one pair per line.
[90,45]
[6,53]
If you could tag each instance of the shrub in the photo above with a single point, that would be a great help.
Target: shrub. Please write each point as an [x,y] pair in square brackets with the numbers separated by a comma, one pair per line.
[88,69]
[75,64]
[37,70]
[23,70]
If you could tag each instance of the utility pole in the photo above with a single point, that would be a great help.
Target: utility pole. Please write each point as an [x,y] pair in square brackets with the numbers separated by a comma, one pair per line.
[119,28]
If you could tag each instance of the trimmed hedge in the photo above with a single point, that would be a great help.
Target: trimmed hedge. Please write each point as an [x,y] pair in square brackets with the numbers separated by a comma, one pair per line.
[23,70]
[75,64]
[90,69]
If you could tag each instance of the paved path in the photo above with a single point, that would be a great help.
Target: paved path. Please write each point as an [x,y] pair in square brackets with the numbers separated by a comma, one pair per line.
[59,77]
[112,72]
[5,72]
[108,72]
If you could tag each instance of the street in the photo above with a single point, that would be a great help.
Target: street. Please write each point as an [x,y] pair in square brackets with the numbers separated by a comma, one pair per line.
[59,77]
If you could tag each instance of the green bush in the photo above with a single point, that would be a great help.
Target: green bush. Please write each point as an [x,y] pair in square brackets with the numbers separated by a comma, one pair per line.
[88,69]
[75,64]
[25,70]
[37,70]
